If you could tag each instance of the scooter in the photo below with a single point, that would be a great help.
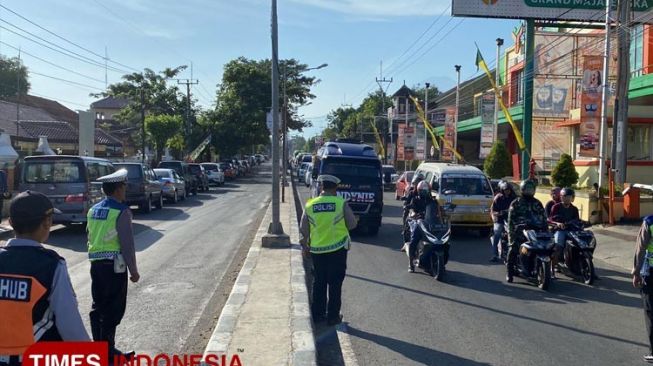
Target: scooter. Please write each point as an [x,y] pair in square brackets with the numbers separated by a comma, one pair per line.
[433,249]
[579,251]
[534,257]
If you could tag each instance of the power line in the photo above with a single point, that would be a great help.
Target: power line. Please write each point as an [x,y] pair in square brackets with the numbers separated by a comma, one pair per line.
[66,40]
[66,81]
[58,100]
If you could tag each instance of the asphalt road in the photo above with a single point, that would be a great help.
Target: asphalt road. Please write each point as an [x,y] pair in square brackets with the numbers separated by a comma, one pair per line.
[188,255]
[475,318]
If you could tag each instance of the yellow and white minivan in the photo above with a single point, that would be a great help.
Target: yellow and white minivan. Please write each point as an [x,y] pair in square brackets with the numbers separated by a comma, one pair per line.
[465,186]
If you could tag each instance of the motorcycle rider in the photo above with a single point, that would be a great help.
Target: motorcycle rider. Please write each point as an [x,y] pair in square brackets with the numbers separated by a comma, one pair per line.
[555,198]
[408,198]
[525,209]
[562,214]
[419,206]
[499,209]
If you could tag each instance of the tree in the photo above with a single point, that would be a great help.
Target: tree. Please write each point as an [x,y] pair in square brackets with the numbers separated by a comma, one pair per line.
[162,128]
[564,174]
[498,164]
[238,122]
[160,97]
[339,116]
[12,72]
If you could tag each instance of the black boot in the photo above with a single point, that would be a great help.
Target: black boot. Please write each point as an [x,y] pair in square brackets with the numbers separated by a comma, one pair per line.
[114,353]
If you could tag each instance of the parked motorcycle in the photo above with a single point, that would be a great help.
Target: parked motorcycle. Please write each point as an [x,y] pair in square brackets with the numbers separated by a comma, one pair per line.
[533,261]
[433,249]
[579,251]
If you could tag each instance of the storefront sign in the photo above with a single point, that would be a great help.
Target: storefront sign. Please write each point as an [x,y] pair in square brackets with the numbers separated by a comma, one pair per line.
[410,142]
[420,147]
[580,10]
[449,134]
[590,109]
[401,128]
[487,126]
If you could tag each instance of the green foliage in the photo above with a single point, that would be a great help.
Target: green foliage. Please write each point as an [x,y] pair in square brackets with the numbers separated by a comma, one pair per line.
[11,71]
[499,163]
[238,122]
[352,122]
[564,174]
[161,129]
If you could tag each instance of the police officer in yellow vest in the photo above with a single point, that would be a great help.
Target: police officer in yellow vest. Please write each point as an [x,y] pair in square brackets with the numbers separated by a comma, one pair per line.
[325,227]
[643,276]
[111,252]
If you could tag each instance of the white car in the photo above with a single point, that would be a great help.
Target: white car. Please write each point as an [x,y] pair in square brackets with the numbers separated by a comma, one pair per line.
[308,176]
[302,171]
[215,175]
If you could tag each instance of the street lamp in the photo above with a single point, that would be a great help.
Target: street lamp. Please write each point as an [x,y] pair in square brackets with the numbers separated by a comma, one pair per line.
[455,133]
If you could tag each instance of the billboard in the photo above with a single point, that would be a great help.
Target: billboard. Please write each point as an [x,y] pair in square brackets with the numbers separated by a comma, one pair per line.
[449,134]
[410,142]
[401,128]
[420,147]
[579,10]
[487,126]
[590,110]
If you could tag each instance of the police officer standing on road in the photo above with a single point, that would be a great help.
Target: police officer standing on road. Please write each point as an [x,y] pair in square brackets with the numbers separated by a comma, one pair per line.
[643,276]
[325,227]
[111,252]
[37,301]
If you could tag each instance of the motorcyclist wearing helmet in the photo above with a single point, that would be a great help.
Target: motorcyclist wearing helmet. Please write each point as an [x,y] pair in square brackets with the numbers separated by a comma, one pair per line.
[418,208]
[561,215]
[555,199]
[525,209]
[408,198]
[499,210]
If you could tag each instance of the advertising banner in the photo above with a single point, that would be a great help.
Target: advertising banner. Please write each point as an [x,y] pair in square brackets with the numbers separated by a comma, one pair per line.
[449,134]
[420,147]
[580,10]
[590,110]
[487,124]
[410,142]
[401,129]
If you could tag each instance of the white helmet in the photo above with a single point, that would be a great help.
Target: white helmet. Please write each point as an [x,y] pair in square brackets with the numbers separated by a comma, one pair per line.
[424,189]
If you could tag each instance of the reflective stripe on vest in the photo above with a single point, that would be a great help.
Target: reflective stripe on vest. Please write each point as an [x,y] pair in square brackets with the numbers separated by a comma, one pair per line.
[328,231]
[649,248]
[103,240]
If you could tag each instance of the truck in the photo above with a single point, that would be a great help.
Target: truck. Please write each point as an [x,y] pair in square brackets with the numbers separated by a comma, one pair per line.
[360,173]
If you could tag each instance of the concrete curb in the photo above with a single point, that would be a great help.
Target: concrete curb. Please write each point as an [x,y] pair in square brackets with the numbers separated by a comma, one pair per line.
[222,334]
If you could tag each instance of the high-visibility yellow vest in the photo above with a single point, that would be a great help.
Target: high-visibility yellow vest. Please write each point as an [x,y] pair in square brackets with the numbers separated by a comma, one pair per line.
[101,224]
[649,248]
[328,231]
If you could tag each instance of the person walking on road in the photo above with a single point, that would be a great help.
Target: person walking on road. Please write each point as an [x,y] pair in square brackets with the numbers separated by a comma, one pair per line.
[111,252]
[642,276]
[325,227]
[37,301]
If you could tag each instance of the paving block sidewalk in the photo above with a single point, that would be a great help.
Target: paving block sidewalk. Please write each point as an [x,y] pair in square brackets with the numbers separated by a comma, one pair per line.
[266,320]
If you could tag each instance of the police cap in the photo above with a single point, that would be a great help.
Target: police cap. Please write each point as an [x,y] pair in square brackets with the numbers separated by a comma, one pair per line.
[328,178]
[119,176]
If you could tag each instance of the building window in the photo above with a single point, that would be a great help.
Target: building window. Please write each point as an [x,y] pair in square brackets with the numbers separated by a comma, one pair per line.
[639,143]
[637,49]
[517,86]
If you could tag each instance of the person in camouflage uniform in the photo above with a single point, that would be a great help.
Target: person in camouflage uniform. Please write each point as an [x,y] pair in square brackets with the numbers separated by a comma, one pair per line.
[525,209]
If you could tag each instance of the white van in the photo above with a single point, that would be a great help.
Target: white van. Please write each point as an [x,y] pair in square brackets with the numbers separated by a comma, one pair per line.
[465,186]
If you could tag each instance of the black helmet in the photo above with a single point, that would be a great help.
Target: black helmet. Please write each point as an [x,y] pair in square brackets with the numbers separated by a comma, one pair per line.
[418,177]
[567,192]
[503,185]
[527,188]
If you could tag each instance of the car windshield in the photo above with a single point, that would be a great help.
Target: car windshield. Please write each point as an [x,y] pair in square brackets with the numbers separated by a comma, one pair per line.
[389,170]
[468,185]
[163,173]
[409,176]
[133,171]
[212,167]
[170,165]
[353,170]
[195,169]
[53,172]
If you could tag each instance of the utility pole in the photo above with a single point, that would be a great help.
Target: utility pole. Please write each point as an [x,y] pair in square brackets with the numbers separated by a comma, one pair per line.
[623,83]
[426,116]
[143,123]
[275,236]
[382,81]
[495,130]
[604,97]
[285,138]
[455,133]
[189,127]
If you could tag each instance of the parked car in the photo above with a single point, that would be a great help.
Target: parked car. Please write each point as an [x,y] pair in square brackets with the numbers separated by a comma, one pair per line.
[214,173]
[143,186]
[403,182]
[183,171]
[259,159]
[68,181]
[199,175]
[228,169]
[390,177]
[172,185]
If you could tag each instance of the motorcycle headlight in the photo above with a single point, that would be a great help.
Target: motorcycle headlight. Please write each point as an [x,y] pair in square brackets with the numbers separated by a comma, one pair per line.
[592,243]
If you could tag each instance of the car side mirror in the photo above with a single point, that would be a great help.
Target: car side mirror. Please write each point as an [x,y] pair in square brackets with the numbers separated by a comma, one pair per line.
[449,192]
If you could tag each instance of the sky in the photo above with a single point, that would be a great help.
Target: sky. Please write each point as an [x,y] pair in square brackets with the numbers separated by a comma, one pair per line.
[416,40]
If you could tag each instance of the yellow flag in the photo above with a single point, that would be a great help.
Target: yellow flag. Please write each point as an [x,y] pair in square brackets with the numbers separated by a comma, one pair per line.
[378,139]
[480,62]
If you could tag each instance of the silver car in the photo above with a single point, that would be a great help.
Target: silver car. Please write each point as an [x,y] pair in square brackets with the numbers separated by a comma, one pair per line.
[215,174]
[172,185]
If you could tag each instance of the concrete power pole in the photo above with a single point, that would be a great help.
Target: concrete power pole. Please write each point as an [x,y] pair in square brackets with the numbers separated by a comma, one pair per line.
[455,134]
[495,130]
[623,82]
[604,100]
[189,127]
[382,81]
